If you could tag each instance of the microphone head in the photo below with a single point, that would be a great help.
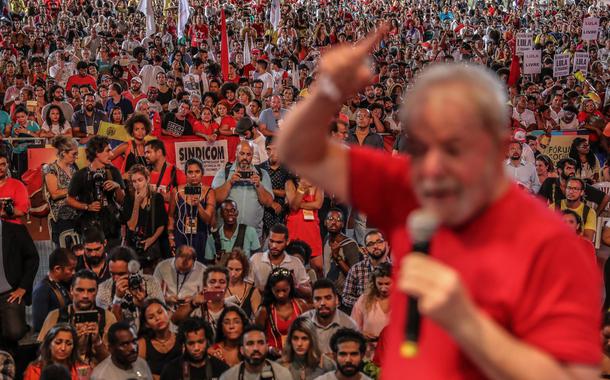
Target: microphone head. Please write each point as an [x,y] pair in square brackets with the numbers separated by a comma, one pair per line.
[133,266]
[422,224]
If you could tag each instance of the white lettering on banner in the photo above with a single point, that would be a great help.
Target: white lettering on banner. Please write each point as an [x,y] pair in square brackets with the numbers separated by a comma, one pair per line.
[561,65]
[532,62]
[581,62]
[213,155]
[590,28]
[175,129]
[524,42]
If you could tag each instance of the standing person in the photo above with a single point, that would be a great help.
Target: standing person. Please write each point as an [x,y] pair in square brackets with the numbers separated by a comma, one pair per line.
[304,201]
[58,347]
[255,365]
[349,347]
[86,121]
[229,329]
[279,308]
[123,362]
[138,126]
[458,176]
[302,354]
[157,344]
[14,189]
[18,267]
[279,175]
[190,215]
[340,252]
[57,176]
[194,363]
[164,176]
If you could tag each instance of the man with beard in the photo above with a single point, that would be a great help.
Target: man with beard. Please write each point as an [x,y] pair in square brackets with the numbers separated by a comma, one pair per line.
[520,171]
[94,258]
[554,189]
[164,176]
[248,185]
[247,130]
[153,103]
[325,317]
[358,275]
[181,122]
[86,121]
[57,98]
[91,344]
[134,94]
[279,175]
[123,362]
[195,363]
[255,365]
[270,117]
[349,347]
[574,201]
[53,292]
[340,252]
[262,263]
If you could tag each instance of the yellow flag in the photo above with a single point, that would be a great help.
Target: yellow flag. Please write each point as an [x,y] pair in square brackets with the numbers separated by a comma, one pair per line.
[579,76]
[113,131]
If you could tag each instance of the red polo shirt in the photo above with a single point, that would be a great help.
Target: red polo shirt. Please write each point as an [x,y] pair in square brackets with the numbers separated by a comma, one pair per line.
[520,263]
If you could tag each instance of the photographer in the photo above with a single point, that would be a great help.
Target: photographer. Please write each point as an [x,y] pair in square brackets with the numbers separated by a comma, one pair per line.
[94,258]
[191,210]
[14,201]
[91,322]
[147,218]
[126,290]
[248,185]
[98,191]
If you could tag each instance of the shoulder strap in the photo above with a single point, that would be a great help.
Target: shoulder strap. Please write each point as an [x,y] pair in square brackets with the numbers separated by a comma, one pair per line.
[585,214]
[227,170]
[217,245]
[241,234]
[60,298]
[64,315]
[173,180]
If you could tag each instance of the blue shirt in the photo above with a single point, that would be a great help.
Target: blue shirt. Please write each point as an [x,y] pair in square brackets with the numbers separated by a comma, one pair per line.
[5,120]
[269,119]
[31,126]
[124,104]
[251,243]
[251,211]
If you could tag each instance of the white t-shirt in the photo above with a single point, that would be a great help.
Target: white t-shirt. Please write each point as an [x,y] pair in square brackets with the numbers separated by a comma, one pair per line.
[526,118]
[56,129]
[106,370]
[267,81]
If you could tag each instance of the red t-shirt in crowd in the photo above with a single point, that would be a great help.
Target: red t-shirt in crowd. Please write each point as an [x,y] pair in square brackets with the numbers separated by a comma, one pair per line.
[520,263]
[17,191]
[167,180]
[78,80]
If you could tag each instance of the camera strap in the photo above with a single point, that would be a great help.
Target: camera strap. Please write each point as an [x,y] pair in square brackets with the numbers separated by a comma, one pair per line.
[267,367]
[161,174]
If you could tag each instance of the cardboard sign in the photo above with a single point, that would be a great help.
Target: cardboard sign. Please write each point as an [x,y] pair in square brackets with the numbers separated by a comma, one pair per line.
[581,62]
[524,42]
[557,145]
[213,155]
[590,28]
[532,62]
[561,65]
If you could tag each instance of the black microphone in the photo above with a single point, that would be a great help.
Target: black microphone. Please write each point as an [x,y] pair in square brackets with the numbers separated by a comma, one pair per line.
[421,225]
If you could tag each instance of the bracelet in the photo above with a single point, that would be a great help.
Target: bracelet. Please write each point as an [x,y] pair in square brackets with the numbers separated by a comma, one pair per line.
[328,88]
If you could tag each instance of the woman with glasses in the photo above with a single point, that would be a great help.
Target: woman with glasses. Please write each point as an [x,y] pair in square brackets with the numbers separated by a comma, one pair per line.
[280,307]
[58,347]
[229,330]
[57,176]
[302,354]
[244,293]
[372,309]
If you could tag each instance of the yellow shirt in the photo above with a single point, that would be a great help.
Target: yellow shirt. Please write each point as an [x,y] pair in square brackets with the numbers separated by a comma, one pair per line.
[591,222]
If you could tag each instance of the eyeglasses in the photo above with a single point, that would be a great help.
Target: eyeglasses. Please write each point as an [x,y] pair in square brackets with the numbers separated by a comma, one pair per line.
[573,188]
[376,242]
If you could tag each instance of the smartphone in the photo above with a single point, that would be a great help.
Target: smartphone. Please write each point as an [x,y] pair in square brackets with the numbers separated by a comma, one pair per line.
[245,175]
[192,190]
[86,316]
[214,295]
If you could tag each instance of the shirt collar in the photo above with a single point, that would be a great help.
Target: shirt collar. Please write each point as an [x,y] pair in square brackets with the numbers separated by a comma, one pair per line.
[265,258]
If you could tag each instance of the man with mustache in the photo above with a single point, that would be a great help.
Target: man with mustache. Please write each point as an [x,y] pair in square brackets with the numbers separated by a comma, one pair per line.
[520,171]
[86,121]
[95,257]
[358,275]
[91,344]
[348,346]
[195,363]
[545,313]
[123,362]
[255,365]
[325,317]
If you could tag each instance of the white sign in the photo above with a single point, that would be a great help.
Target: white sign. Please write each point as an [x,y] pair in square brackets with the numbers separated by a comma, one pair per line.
[213,155]
[581,62]
[590,28]
[524,42]
[561,65]
[532,62]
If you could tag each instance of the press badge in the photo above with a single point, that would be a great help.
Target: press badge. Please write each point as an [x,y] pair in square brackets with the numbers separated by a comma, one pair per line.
[90,130]
[190,225]
[308,215]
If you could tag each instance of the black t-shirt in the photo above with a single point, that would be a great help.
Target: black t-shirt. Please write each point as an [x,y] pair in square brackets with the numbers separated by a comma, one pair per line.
[165,97]
[176,127]
[551,190]
[82,187]
[149,218]
[174,370]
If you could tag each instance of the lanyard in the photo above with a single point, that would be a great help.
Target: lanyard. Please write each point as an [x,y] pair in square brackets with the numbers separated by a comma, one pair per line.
[179,286]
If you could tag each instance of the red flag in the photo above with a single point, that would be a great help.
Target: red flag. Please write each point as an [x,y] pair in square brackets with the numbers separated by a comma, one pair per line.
[515,68]
[224,47]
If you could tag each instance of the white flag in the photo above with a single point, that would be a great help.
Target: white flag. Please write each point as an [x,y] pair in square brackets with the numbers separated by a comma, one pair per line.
[296,77]
[247,58]
[183,16]
[274,14]
[146,7]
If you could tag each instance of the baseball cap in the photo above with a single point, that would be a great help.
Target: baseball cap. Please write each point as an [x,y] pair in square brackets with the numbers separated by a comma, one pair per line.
[244,124]
[136,79]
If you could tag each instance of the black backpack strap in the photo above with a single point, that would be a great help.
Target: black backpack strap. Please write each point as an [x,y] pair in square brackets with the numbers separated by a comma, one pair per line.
[227,170]
[102,325]
[174,179]
[217,245]
[241,234]
[64,315]
[585,214]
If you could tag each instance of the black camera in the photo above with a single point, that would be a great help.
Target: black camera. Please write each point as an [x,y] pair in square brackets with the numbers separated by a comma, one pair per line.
[192,190]
[98,177]
[7,205]
[245,174]
[134,281]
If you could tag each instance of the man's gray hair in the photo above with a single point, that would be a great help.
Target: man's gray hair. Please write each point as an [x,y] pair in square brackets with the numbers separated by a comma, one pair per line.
[484,90]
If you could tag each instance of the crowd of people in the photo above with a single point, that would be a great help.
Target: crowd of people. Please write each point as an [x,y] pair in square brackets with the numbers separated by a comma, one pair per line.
[162,272]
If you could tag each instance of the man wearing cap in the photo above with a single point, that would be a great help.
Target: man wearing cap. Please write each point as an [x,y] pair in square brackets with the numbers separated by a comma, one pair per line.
[81,77]
[519,170]
[246,129]
[134,94]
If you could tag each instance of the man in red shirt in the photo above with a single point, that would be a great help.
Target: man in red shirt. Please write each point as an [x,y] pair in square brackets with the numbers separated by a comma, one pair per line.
[163,176]
[507,291]
[13,189]
[81,78]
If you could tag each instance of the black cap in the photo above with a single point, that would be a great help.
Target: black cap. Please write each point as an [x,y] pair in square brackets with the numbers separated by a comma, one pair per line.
[244,124]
